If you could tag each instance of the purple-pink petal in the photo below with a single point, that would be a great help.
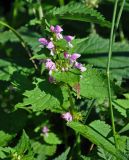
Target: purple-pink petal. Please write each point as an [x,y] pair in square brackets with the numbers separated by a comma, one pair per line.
[52,28]
[50,45]
[58,29]
[44,41]
[83,69]
[66,55]
[51,79]
[45,129]
[68,38]
[59,36]
[74,56]
[50,65]
[67,116]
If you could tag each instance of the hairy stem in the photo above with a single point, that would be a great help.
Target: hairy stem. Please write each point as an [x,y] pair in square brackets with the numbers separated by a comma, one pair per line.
[23,43]
[61,2]
[40,10]
[119,17]
[108,72]
[89,111]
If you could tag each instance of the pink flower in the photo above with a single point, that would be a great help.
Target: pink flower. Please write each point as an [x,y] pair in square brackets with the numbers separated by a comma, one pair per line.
[44,41]
[50,65]
[74,56]
[50,45]
[66,55]
[59,36]
[52,28]
[68,38]
[51,79]
[67,116]
[58,29]
[80,66]
[45,130]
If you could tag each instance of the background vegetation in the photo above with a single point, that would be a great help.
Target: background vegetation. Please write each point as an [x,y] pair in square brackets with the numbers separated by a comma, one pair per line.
[28,102]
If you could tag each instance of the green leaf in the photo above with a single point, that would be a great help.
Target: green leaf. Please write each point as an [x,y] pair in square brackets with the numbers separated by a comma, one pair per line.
[51,138]
[92,82]
[23,144]
[4,151]
[101,127]
[104,154]
[122,106]
[43,150]
[8,68]
[5,138]
[94,51]
[24,149]
[79,12]
[94,44]
[69,77]
[125,128]
[45,96]
[39,56]
[96,138]
[64,155]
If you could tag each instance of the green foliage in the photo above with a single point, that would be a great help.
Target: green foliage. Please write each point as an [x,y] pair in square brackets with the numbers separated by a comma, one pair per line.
[94,44]
[92,82]
[43,150]
[5,138]
[29,102]
[64,155]
[96,138]
[101,127]
[71,77]
[122,106]
[94,50]
[51,138]
[9,68]
[79,12]
[45,96]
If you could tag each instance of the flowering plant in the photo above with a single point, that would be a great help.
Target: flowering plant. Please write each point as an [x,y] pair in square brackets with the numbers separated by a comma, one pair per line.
[64,87]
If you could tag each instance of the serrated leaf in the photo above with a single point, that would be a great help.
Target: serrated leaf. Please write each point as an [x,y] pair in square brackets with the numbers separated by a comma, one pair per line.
[78,11]
[94,50]
[92,82]
[8,68]
[122,106]
[125,128]
[104,154]
[96,138]
[101,127]
[51,138]
[43,150]
[94,44]
[23,144]
[4,151]
[45,96]
[64,155]
[5,138]
[68,77]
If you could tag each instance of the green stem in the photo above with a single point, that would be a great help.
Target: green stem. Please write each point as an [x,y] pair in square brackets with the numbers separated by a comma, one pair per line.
[108,72]
[40,10]
[61,2]
[23,43]
[119,17]
[89,111]
[71,101]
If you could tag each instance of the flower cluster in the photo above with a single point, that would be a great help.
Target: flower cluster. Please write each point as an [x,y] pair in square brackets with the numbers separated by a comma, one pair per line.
[59,58]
